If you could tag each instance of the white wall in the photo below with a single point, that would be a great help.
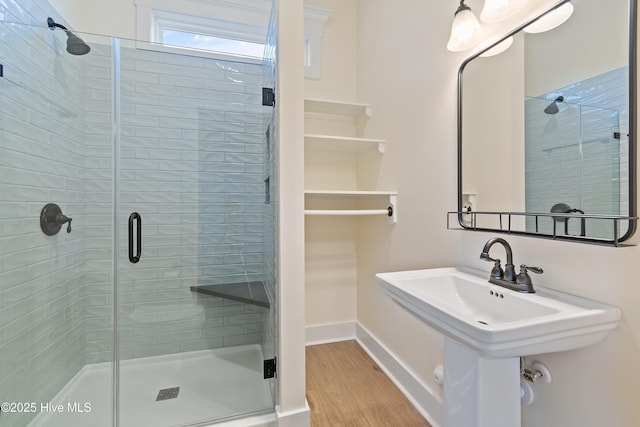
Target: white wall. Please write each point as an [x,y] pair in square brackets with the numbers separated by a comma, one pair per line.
[338,52]
[403,45]
[330,242]
[113,18]
[407,74]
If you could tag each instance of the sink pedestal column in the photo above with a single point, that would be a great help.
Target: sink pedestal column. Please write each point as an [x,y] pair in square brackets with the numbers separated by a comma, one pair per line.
[479,392]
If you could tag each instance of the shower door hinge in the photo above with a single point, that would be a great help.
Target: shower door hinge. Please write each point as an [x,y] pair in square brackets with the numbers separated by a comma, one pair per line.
[270,368]
[268,97]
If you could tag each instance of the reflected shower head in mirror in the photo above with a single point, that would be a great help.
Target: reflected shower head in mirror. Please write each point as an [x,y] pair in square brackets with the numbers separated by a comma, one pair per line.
[75,45]
[553,107]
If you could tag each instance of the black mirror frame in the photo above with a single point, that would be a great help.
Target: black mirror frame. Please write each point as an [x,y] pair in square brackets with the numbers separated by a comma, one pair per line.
[633,160]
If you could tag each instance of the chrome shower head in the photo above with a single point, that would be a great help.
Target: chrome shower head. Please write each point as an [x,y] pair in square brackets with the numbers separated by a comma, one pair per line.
[553,107]
[75,45]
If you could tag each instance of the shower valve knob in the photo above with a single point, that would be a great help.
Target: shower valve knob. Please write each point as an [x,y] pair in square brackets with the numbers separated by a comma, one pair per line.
[52,219]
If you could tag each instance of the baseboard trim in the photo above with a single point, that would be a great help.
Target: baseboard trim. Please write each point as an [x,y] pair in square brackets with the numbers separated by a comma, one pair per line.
[328,333]
[300,417]
[419,394]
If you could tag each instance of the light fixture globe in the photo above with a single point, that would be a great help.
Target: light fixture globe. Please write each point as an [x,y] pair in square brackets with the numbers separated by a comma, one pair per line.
[550,20]
[499,48]
[464,26]
[498,10]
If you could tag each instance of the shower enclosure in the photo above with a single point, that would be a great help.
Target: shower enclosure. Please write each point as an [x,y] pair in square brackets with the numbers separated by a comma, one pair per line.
[155,302]
[575,154]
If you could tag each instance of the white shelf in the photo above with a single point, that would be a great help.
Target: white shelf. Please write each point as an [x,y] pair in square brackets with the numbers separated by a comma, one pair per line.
[357,113]
[342,143]
[390,210]
[350,193]
[347,212]
[353,110]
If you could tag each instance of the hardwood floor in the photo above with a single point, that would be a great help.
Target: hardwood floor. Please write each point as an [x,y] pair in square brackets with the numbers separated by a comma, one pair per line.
[345,388]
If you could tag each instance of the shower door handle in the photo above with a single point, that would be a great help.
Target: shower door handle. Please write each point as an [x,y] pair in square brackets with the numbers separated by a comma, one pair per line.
[135,217]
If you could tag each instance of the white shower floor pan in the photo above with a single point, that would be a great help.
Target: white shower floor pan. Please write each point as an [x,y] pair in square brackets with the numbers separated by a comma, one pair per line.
[214,385]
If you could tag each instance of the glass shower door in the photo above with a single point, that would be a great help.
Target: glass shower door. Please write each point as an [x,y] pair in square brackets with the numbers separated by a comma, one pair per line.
[191,297]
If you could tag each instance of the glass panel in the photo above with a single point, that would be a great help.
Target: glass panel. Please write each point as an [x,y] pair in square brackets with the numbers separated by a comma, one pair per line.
[56,281]
[193,309]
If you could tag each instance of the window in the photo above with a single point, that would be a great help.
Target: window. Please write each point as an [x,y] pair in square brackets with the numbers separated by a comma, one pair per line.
[209,43]
[226,29]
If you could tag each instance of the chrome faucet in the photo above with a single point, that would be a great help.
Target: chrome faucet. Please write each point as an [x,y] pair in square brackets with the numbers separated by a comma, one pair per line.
[507,278]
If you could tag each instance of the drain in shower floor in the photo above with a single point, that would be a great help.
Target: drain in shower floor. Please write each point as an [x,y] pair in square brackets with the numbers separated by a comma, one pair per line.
[168,393]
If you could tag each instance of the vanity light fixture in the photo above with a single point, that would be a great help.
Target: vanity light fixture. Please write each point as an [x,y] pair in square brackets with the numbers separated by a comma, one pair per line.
[463,29]
[497,10]
[550,20]
[499,48]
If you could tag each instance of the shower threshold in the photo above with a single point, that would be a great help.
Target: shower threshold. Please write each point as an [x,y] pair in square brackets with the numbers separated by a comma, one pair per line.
[213,385]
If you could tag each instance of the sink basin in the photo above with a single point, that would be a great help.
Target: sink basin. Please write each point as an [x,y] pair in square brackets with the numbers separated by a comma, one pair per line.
[497,322]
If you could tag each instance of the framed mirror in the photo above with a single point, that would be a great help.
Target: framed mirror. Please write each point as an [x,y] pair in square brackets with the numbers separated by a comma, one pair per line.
[546,129]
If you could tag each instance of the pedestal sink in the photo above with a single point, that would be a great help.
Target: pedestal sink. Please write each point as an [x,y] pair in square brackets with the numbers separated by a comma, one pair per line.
[487,328]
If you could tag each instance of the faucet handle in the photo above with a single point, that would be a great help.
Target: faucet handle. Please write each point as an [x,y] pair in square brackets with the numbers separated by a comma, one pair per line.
[497,270]
[525,268]
[524,279]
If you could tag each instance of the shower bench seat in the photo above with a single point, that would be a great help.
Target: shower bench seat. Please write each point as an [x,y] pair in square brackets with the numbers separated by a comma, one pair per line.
[246,292]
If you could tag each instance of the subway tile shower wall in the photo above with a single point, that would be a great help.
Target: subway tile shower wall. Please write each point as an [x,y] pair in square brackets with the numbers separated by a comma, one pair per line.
[573,157]
[42,278]
[192,163]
